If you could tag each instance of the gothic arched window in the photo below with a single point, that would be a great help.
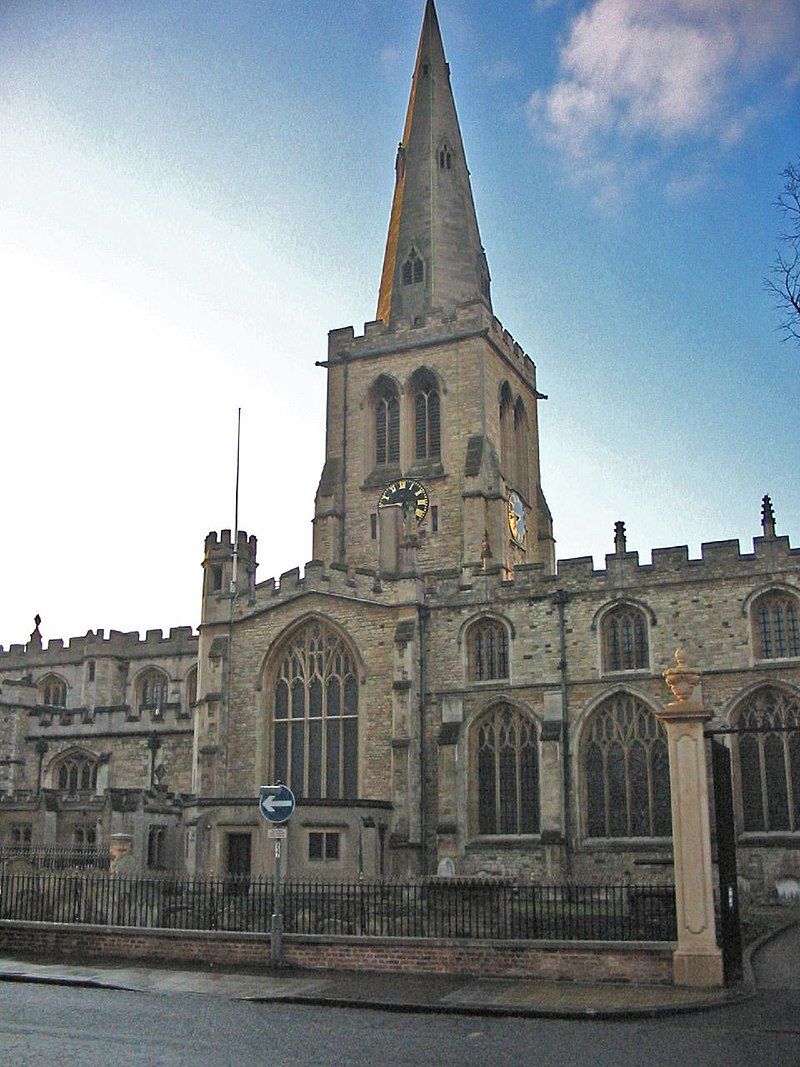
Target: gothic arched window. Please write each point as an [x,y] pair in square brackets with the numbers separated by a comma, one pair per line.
[777,625]
[445,157]
[623,635]
[626,769]
[315,715]
[413,269]
[387,424]
[769,761]
[427,418]
[506,772]
[152,688]
[53,691]
[191,687]
[521,446]
[507,452]
[77,773]
[487,650]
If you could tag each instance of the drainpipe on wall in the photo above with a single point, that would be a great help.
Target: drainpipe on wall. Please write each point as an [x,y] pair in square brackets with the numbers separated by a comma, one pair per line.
[561,599]
[41,751]
[422,614]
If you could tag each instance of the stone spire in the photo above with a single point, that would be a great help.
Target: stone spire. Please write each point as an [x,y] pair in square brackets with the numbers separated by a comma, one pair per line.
[434,257]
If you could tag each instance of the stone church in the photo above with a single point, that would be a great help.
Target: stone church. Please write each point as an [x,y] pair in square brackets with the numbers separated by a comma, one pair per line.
[438,691]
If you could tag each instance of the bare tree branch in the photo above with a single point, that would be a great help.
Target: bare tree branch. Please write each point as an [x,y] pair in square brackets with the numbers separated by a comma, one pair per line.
[784,281]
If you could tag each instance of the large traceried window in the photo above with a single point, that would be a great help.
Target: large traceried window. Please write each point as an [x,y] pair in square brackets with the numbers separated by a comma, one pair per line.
[53,691]
[387,424]
[776,620]
[315,715]
[487,650]
[77,773]
[152,689]
[506,772]
[769,761]
[427,418]
[626,770]
[623,632]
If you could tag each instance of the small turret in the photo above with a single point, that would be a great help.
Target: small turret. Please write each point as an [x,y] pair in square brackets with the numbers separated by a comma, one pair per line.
[219,581]
[767,517]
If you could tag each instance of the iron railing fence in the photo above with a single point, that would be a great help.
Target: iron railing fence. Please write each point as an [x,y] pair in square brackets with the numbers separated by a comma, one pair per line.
[436,909]
[58,858]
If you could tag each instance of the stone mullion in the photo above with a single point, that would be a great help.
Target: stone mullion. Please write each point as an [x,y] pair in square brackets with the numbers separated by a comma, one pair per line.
[762,766]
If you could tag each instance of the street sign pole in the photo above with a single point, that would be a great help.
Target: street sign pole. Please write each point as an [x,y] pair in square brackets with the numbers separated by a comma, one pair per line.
[277,912]
[276,804]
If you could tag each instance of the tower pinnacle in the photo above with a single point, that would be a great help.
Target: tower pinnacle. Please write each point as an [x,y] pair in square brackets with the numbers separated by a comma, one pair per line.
[434,257]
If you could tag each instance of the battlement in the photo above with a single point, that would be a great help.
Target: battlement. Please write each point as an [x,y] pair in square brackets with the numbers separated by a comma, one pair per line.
[467,320]
[222,543]
[179,640]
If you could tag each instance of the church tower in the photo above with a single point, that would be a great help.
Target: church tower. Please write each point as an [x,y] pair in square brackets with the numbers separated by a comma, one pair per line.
[432,458]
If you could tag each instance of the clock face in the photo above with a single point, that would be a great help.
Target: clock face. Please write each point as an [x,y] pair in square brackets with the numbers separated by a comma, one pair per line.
[516,519]
[409,494]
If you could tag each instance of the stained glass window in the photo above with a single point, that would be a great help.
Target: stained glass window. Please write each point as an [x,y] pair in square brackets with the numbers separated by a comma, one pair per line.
[626,765]
[315,715]
[769,761]
[507,768]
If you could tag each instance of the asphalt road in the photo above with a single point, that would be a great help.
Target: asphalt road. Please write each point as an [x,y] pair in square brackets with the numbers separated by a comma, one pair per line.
[91,1027]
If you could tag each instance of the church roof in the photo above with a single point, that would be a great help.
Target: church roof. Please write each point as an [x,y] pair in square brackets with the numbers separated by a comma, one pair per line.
[434,257]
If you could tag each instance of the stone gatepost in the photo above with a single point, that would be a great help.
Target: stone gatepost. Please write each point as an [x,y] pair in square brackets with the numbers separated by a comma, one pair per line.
[697,960]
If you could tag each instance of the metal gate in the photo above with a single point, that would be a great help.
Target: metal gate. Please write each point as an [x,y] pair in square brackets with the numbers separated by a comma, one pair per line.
[730,929]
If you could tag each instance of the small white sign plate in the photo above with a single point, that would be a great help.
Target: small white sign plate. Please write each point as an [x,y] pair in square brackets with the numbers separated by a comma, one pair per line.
[277,833]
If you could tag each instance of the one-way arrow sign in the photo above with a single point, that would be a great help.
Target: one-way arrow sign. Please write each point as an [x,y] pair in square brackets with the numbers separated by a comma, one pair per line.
[276,803]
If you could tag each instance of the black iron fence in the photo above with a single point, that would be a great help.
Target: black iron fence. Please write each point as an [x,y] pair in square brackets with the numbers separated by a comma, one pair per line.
[56,858]
[435,909]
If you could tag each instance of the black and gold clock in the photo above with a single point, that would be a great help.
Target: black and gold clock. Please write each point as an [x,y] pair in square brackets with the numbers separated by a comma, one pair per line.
[407,493]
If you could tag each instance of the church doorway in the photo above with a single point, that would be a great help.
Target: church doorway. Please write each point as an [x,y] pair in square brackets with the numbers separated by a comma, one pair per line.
[239,854]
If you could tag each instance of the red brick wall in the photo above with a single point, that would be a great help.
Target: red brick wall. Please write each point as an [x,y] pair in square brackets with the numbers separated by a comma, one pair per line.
[601,962]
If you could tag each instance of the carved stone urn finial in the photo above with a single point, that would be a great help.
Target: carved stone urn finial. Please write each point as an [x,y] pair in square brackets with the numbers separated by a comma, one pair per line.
[681,679]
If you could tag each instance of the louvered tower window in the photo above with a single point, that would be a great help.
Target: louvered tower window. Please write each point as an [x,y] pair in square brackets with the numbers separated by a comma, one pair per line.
[427,422]
[387,426]
[413,269]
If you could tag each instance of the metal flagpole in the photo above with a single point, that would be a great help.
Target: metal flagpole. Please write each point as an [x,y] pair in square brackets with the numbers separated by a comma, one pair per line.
[235,569]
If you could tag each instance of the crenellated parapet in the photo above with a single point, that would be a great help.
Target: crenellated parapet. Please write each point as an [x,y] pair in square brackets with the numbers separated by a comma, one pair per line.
[467,320]
[180,640]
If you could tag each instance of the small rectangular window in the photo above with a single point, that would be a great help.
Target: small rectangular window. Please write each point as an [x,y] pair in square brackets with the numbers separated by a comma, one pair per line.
[373,526]
[434,518]
[216,579]
[91,670]
[331,846]
[315,845]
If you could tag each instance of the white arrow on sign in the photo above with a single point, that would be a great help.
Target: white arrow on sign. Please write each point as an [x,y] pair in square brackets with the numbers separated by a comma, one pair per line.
[270,804]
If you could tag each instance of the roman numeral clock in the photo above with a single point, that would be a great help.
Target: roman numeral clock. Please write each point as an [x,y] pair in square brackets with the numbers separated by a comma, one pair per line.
[408,494]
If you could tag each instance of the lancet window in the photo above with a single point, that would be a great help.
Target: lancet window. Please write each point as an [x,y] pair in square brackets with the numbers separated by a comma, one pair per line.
[315,715]
[53,691]
[152,689]
[427,419]
[413,268]
[506,772]
[626,770]
[387,424]
[77,773]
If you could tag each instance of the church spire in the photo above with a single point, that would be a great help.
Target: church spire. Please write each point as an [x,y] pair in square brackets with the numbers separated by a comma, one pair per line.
[434,257]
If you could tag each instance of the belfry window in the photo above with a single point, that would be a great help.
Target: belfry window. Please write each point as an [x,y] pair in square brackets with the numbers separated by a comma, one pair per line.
[413,269]
[506,770]
[315,715]
[626,769]
[445,157]
[427,419]
[152,688]
[387,425]
[777,624]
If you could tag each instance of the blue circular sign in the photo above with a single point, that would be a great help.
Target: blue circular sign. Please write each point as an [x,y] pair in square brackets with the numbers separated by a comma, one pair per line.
[276,803]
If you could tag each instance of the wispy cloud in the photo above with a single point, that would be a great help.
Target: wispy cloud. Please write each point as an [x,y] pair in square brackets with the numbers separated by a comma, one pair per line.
[662,75]
[501,70]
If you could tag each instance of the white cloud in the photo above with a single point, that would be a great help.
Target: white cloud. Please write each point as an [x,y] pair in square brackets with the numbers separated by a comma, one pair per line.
[663,73]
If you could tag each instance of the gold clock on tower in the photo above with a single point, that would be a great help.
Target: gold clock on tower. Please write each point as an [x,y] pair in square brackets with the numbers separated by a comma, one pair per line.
[516,519]
[407,493]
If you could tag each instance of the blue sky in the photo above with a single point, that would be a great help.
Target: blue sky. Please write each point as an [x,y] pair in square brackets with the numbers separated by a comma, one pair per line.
[193,194]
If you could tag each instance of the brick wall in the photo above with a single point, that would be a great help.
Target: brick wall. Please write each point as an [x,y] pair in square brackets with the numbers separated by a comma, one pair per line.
[649,964]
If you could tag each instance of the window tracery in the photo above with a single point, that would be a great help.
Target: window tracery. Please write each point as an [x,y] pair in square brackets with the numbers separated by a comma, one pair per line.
[769,761]
[77,773]
[152,689]
[53,691]
[626,770]
[487,650]
[315,715]
[777,624]
[624,639]
[427,418]
[413,269]
[387,424]
[506,772]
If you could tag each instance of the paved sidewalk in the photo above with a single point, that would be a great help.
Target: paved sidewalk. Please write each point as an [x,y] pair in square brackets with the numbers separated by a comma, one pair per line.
[390,992]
